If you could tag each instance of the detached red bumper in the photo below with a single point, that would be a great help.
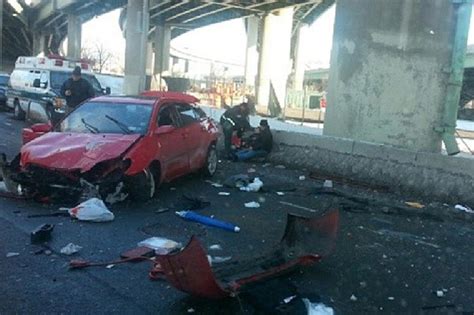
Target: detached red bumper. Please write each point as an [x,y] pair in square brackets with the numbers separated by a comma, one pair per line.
[305,242]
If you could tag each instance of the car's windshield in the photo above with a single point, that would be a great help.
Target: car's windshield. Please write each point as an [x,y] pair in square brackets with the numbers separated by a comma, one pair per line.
[99,117]
[3,80]
[59,77]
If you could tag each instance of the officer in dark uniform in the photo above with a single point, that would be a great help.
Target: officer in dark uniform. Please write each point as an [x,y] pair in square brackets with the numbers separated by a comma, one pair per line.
[76,89]
[234,119]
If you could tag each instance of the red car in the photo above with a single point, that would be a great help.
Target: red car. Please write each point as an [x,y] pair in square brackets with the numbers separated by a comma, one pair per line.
[139,141]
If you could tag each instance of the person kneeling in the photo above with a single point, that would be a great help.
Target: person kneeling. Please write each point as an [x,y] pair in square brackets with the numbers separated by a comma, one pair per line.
[260,145]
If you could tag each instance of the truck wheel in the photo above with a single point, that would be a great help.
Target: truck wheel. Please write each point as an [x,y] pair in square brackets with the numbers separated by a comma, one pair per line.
[210,166]
[18,113]
[142,186]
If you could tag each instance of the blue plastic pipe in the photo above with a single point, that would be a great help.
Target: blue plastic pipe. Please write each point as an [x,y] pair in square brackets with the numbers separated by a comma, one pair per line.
[193,216]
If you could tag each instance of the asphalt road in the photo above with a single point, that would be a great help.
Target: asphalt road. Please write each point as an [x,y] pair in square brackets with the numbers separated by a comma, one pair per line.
[389,258]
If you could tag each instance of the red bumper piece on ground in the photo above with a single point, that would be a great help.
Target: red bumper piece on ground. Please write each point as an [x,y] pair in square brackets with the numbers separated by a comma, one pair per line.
[305,242]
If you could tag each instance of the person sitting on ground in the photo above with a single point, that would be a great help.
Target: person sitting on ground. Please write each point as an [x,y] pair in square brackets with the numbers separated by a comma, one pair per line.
[261,143]
[235,119]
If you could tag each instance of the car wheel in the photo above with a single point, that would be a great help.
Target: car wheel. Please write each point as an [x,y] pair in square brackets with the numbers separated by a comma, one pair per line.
[142,186]
[18,113]
[210,167]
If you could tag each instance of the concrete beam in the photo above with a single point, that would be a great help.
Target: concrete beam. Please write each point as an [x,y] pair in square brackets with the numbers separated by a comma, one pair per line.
[39,44]
[299,62]
[74,36]
[251,53]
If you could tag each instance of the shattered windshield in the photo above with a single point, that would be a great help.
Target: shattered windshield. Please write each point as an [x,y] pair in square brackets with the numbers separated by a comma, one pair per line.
[96,117]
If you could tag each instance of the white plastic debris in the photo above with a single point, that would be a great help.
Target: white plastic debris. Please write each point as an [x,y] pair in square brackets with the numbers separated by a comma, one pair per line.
[391,298]
[252,204]
[215,247]
[317,308]
[110,266]
[464,208]
[302,177]
[353,298]
[327,184]
[12,254]
[280,193]
[254,186]
[224,193]
[289,299]
[191,310]
[218,259]
[251,170]
[439,293]
[70,249]
[93,210]
[161,245]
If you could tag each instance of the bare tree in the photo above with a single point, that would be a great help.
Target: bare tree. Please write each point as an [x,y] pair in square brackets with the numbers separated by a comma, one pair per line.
[98,56]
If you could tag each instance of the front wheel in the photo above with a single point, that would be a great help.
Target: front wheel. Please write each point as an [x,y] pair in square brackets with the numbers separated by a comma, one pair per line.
[210,167]
[142,186]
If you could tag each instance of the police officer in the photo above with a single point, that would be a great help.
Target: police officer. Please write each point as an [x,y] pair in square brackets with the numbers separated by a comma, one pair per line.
[76,89]
[234,119]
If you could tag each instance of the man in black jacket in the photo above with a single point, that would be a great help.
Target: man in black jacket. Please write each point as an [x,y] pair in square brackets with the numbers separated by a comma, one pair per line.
[76,89]
[234,119]
[261,143]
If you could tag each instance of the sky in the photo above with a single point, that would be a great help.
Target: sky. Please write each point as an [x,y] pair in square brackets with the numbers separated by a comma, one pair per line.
[223,42]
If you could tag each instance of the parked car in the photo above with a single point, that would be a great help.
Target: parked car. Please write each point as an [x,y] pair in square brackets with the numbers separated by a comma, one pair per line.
[35,85]
[3,89]
[137,141]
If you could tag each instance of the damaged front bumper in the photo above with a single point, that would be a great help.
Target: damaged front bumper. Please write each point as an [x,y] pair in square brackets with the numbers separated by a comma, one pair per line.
[305,242]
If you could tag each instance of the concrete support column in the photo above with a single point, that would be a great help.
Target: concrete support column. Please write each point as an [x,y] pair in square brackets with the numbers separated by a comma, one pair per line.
[39,44]
[274,58]
[74,34]
[389,76]
[299,62]
[136,34]
[162,54]
[251,54]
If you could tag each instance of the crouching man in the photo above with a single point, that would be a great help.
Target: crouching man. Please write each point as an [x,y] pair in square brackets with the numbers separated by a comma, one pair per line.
[261,143]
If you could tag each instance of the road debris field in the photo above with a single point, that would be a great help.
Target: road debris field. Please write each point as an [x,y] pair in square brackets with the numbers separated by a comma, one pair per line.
[393,253]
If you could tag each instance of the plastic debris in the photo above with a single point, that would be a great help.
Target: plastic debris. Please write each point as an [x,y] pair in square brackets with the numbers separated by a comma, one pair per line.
[12,254]
[280,193]
[317,308]
[160,245]
[218,259]
[302,177]
[254,186]
[327,184]
[215,247]
[224,193]
[439,293]
[193,216]
[353,298]
[252,204]
[391,298]
[289,299]
[464,208]
[70,249]
[191,310]
[251,170]
[93,210]
[110,266]
[414,204]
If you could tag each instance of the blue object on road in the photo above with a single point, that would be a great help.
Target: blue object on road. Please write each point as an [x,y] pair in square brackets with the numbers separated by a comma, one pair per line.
[193,216]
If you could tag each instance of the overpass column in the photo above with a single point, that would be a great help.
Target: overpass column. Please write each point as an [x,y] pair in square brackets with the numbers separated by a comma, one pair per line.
[74,34]
[162,53]
[298,57]
[39,44]
[274,58]
[391,79]
[136,34]
[251,55]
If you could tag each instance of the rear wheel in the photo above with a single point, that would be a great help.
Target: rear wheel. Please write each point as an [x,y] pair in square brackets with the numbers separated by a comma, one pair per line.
[18,113]
[210,167]
[142,186]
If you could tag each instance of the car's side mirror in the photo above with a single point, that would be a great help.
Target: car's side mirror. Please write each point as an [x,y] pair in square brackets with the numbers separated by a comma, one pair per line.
[36,83]
[164,129]
[107,90]
[41,127]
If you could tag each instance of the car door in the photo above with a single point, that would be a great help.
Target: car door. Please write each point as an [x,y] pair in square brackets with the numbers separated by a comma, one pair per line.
[195,135]
[173,146]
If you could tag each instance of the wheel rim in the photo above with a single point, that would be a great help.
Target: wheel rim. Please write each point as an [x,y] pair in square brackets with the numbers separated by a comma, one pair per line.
[212,161]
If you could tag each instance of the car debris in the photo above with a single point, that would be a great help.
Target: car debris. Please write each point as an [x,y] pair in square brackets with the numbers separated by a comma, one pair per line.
[224,193]
[253,186]
[214,184]
[70,249]
[252,204]
[302,177]
[305,242]
[118,195]
[317,308]
[41,234]
[193,216]
[353,298]
[464,208]
[218,259]
[160,245]
[327,183]
[12,254]
[297,206]
[215,247]
[415,204]
[93,210]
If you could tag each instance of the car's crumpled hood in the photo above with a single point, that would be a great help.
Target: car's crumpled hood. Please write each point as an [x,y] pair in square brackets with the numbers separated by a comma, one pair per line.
[75,151]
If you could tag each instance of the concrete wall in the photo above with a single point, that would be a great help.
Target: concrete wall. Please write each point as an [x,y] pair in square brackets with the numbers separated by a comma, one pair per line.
[434,176]
[387,80]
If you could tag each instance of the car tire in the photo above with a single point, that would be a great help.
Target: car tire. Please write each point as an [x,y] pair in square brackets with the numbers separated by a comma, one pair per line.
[210,166]
[142,186]
[18,113]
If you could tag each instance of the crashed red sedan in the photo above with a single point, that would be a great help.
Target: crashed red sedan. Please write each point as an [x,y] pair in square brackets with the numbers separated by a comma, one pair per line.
[136,142]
